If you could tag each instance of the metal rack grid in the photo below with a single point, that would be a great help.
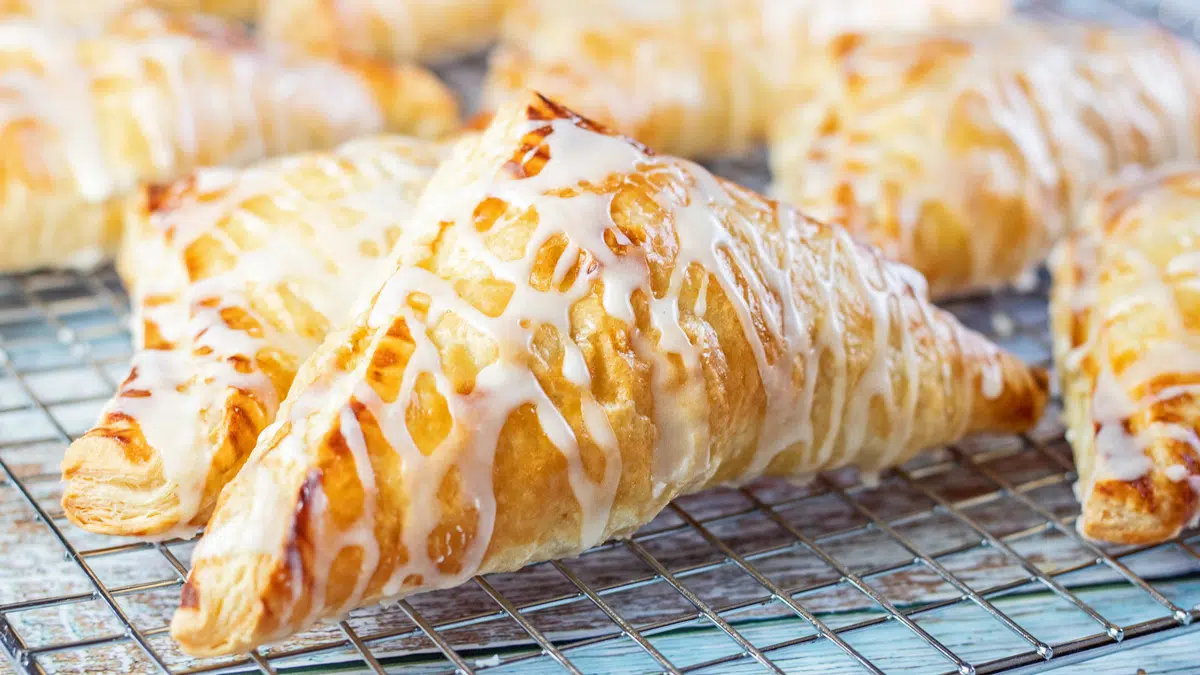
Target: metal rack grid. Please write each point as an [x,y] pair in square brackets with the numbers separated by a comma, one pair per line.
[792,558]
[906,574]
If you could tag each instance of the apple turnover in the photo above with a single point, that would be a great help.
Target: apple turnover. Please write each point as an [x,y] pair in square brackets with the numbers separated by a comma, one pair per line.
[83,120]
[92,13]
[236,276]
[1126,318]
[690,77]
[968,153]
[576,331]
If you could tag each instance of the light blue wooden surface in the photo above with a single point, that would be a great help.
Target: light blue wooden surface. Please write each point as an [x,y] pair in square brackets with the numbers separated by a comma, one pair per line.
[891,647]
[964,628]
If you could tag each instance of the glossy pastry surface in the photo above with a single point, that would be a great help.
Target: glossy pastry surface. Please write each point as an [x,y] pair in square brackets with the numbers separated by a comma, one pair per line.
[236,276]
[1126,319]
[967,153]
[575,332]
[691,77]
[85,119]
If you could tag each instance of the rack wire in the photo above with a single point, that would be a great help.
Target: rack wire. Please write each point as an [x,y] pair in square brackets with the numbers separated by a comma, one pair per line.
[964,560]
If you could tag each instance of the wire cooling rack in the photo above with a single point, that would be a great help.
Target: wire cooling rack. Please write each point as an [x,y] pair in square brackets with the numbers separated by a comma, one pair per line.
[964,560]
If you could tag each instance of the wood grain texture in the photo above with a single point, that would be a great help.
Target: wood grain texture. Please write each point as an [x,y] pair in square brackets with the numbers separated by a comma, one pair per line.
[1177,656]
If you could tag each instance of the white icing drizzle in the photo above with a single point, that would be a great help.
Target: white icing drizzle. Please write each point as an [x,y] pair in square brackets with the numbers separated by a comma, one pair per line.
[715,69]
[326,251]
[192,101]
[1053,110]
[1176,472]
[1137,259]
[756,266]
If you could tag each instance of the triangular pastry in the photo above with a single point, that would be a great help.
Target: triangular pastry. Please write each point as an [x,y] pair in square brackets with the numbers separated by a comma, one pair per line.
[690,77]
[92,13]
[1126,319]
[966,153]
[236,276]
[576,332]
[84,119]
[427,30]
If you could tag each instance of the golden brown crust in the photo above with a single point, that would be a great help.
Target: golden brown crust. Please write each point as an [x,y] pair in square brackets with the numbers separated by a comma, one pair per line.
[1124,305]
[236,276]
[85,126]
[966,153]
[684,77]
[449,429]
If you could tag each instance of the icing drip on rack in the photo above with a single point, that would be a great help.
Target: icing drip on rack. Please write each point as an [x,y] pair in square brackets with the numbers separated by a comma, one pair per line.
[748,249]
[324,250]
[193,101]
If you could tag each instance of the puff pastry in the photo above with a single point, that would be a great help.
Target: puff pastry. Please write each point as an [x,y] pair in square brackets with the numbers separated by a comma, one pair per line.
[93,12]
[690,77]
[576,332]
[1126,318]
[236,276]
[967,153]
[428,30]
[83,120]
